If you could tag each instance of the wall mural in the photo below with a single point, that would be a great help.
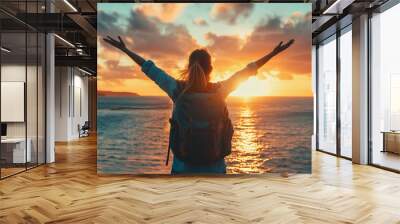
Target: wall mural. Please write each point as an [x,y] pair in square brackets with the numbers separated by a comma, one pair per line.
[204,88]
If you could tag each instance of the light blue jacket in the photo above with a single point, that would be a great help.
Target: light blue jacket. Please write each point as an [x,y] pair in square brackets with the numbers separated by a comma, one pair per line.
[168,84]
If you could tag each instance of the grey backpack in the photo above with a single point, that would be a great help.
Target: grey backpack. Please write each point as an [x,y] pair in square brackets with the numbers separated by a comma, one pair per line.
[201,131]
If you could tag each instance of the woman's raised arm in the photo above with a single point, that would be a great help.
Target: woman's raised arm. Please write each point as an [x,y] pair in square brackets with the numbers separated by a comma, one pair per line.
[251,69]
[278,49]
[121,46]
[167,83]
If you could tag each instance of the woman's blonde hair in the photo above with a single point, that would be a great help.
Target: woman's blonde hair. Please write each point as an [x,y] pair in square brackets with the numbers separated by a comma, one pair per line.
[197,74]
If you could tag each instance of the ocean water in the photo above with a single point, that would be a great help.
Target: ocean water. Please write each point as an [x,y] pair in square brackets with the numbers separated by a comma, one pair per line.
[272,134]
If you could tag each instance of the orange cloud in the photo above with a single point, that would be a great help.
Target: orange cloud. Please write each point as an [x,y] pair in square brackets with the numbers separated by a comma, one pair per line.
[229,50]
[200,22]
[297,59]
[165,12]
[231,12]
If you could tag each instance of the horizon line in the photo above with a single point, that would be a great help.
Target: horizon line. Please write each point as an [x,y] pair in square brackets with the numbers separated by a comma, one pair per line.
[228,96]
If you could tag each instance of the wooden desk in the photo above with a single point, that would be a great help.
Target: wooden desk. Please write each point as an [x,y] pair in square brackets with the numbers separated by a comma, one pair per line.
[17,148]
[391,141]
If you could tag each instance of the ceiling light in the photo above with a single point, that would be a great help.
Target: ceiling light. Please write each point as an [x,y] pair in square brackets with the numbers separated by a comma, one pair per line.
[333,6]
[70,5]
[5,50]
[338,6]
[64,40]
[79,51]
[84,71]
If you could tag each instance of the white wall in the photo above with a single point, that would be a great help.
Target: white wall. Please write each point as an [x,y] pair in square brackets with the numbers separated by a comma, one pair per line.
[71,87]
[62,81]
[81,103]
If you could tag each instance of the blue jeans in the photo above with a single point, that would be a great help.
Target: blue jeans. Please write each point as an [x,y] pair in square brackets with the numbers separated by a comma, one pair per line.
[180,167]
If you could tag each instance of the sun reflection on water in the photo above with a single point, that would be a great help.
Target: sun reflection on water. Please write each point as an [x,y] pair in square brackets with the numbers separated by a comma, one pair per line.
[246,147]
[247,138]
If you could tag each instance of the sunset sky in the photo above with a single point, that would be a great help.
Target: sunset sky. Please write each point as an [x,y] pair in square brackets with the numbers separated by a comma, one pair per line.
[234,34]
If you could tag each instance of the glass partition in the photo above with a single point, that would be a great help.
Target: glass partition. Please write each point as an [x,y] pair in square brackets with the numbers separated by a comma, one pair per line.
[327,95]
[31,97]
[22,101]
[13,105]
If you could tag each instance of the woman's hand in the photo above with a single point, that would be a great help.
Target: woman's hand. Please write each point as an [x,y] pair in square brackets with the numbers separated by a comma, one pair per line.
[121,45]
[115,43]
[281,47]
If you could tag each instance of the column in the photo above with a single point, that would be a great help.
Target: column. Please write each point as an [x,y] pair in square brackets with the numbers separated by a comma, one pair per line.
[360,90]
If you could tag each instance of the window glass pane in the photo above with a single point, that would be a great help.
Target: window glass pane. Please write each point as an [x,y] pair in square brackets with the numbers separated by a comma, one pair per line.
[385,89]
[32,86]
[31,97]
[327,96]
[346,94]
[314,83]
[394,102]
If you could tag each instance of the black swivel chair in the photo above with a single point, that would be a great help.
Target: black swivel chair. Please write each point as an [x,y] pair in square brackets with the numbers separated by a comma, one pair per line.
[84,130]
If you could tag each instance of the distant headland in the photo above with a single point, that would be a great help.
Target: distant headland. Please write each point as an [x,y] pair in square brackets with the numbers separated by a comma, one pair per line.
[111,93]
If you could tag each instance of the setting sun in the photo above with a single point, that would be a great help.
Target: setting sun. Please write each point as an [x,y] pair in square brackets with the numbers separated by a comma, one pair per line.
[252,87]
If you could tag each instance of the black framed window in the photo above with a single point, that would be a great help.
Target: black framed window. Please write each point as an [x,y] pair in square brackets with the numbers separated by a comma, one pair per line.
[384,109]
[334,93]
[326,95]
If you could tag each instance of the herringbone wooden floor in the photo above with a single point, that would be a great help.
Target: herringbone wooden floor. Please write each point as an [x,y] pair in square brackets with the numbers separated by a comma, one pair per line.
[69,191]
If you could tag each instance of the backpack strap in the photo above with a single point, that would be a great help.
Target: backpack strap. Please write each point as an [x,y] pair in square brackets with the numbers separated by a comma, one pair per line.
[169,144]
[169,149]
[179,88]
